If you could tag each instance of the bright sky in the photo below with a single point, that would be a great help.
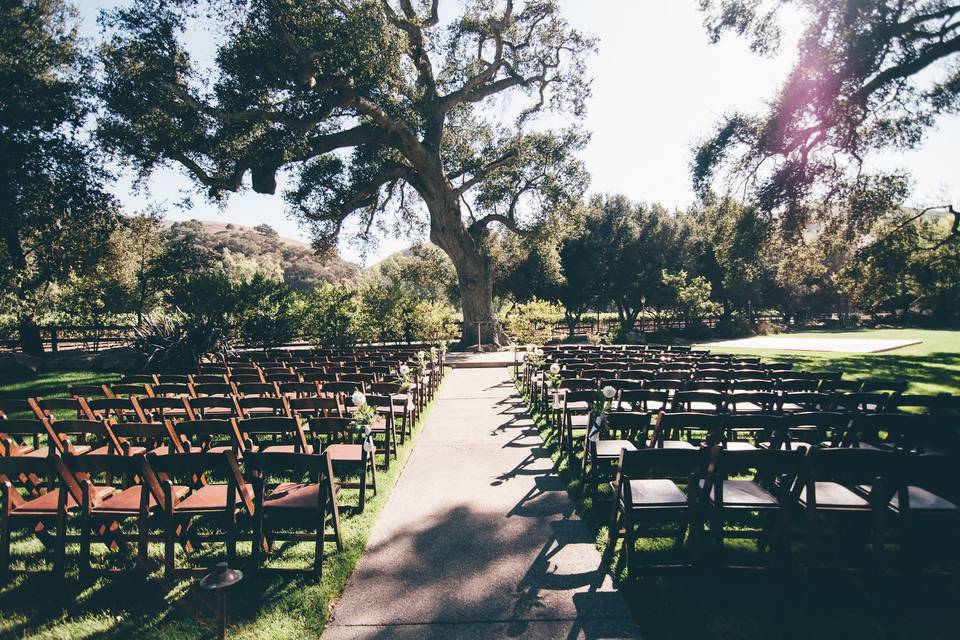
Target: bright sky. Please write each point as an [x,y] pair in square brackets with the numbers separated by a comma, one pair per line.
[659,86]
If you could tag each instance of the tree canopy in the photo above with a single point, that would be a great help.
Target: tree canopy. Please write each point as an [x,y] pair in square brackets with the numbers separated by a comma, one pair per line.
[368,106]
[870,75]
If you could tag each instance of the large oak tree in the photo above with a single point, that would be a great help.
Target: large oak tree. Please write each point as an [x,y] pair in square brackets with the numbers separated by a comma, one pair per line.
[369,108]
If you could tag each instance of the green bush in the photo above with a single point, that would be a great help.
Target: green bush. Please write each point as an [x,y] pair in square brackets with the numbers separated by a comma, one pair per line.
[532,322]
[329,316]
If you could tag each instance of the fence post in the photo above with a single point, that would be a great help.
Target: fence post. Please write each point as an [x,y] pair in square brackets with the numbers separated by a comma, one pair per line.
[54,340]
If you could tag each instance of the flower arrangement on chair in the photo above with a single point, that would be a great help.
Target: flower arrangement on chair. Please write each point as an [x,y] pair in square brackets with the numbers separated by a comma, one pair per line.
[598,413]
[363,418]
[404,379]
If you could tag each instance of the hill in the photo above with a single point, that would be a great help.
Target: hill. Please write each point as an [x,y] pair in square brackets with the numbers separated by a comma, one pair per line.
[296,260]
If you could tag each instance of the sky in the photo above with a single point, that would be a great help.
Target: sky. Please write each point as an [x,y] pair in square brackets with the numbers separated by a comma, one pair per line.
[658,87]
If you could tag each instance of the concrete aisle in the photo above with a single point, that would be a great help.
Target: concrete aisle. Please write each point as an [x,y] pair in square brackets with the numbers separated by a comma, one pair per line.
[479,538]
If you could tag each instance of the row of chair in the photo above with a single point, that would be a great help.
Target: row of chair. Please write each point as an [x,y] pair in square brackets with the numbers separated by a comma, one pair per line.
[186,499]
[701,497]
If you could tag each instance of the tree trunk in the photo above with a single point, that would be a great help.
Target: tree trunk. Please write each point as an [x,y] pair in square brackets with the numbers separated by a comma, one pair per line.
[30,341]
[473,273]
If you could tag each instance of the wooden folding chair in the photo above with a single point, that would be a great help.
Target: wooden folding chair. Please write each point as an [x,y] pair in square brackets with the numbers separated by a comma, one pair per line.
[212,504]
[74,407]
[337,436]
[685,430]
[303,499]
[160,409]
[45,512]
[81,436]
[118,409]
[140,499]
[283,434]
[830,490]
[646,495]
[728,497]
[263,406]
[214,436]
[215,407]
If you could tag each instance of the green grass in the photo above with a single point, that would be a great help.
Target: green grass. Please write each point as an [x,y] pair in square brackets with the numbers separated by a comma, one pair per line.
[42,606]
[930,367]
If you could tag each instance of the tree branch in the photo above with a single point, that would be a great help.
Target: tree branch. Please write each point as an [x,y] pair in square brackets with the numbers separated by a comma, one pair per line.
[482,173]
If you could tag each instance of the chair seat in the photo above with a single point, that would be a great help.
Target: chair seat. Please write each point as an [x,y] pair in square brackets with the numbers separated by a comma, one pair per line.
[611,448]
[293,495]
[579,421]
[280,448]
[105,450]
[128,500]
[212,497]
[677,444]
[46,504]
[656,493]
[745,494]
[738,445]
[345,452]
[832,495]
[704,407]
[577,406]
[920,500]
[745,407]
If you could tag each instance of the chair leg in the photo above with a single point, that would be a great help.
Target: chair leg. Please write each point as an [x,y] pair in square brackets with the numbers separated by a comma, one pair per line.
[256,555]
[169,548]
[85,525]
[60,551]
[4,546]
[142,534]
[363,485]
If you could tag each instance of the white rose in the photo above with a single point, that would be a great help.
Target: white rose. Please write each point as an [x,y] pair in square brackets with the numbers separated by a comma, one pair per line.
[555,368]
[609,392]
[404,369]
[358,398]
[421,354]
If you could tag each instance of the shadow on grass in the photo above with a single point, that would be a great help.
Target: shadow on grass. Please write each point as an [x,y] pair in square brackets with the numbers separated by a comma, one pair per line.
[925,373]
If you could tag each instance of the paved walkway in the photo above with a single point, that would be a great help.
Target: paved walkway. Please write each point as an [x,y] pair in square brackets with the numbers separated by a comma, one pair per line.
[479,539]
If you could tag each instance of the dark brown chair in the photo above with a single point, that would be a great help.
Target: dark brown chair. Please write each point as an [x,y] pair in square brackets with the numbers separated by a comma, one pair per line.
[337,436]
[212,504]
[646,494]
[304,498]
[140,500]
[728,497]
[44,513]
[282,434]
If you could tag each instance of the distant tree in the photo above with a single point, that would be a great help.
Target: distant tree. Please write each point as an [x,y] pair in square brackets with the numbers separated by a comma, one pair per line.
[55,212]
[583,273]
[425,271]
[634,245]
[870,75]
[372,106]
[266,230]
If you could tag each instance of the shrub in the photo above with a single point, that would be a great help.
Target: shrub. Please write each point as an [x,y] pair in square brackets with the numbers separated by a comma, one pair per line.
[532,322]
[330,316]
[175,343]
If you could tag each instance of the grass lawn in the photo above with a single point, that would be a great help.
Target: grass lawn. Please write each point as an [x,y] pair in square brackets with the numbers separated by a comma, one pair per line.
[931,367]
[749,605]
[289,606]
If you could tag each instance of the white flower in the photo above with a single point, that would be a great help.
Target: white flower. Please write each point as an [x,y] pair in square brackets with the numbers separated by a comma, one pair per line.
[609,392]
[433,349]
[555,368]
[421,355]
[358,398]
[404,369]
[538,351]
